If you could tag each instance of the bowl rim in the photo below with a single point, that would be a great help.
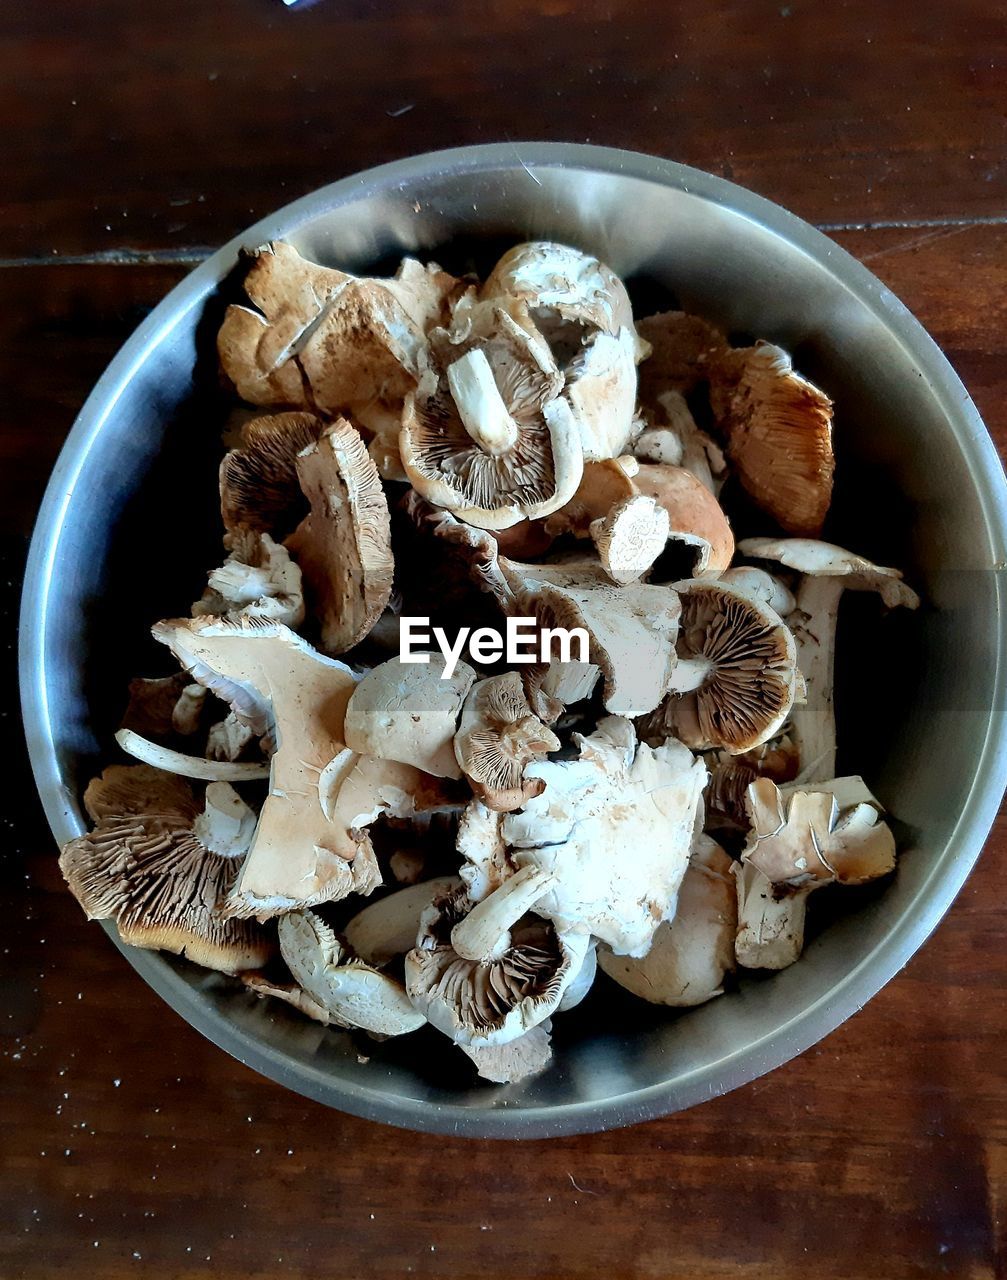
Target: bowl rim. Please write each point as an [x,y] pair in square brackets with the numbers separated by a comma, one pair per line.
[934,895]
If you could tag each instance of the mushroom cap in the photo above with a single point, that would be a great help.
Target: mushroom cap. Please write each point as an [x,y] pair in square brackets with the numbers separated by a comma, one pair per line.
[486,860]
[691,953]
[278,685]
[152,864]
[631,630]
[752,677]
[498,735]
[258,479]
[258,579]
[631,537]
[695,515]
[682,349]
[730,776]
[825,560]
[759,583]
[770,930]
[495,1001]
[779,436]
[514,1061]
[388,928]
[601,388]
[353,994]
[343,546]
[614,828]
[494,489]
[315,335]
[409,712]
[603,485]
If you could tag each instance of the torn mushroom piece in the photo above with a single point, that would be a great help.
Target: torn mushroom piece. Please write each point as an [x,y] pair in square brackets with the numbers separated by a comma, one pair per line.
[343,546]
[730,776]
[736,678]
[388,928]
[798,843]
[778,428]
[692,953]
[613,829]
[289,992]
[352,993]
[258,580]
[486,974]
[294,698]
[492,439]
[259,489]
[409,712]
[695,517]
[498,735]
[631,537]
[631,632]
[315,336]
[161,863]
[826,572]
[514,1061]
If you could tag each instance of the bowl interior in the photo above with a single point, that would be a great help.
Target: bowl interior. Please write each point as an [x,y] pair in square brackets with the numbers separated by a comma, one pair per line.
[130,525]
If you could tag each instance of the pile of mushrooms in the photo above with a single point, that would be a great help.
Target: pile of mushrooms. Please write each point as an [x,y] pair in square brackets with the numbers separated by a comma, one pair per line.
[385,845]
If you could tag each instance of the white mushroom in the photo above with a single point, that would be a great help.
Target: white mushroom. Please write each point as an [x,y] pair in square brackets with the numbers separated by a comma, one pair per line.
[489,981]
[631,537]
[826,572]
[672,438]
[161,864]
[296,698]
[798,843]
[409,712]
[692,953]
[352,993]
[198,767]
[388,928]
[498,735]
[343,546]
[614,828]
[257,580]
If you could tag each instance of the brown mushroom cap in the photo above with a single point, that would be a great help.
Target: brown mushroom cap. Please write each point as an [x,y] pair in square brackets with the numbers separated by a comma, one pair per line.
[694,514]
[682,349]
[151,865]
[258,480]
[343,547]
[497,736]
[779,436]
[745,663]
[603,485]
[493,483]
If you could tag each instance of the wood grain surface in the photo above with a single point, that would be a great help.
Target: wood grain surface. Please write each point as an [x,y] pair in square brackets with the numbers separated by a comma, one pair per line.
[138,135]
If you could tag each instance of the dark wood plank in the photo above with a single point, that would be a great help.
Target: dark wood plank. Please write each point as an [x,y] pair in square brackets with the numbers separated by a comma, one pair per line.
[130,1145]
[126,126]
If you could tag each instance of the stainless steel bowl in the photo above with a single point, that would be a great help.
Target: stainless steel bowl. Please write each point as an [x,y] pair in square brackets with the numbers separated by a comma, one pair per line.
[125,528]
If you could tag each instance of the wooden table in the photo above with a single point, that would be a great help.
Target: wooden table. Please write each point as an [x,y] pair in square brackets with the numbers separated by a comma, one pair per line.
[136,136]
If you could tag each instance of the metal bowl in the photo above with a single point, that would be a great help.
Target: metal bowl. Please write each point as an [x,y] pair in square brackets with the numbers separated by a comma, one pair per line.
[127,524]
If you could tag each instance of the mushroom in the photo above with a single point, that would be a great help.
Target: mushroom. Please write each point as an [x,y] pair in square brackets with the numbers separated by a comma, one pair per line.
[797,843]
[826,572]
[631,537]
[583,310]
[344,545]
[759,583]
[409,712]
[736,678]
[603,485]
[294,697]
[631,631]
[695,516]
[778,428]
[492,439]
[683,348]
[514,1061]
[160,757]
[258,479]
[486,860]
[289,992]
[730,776]
[485,975]
[352,993]
[161,864]
[258,579]
[228,738]
[318,336]
[498,735]
[388,928]
[614,829]
[692,953]
[673,439]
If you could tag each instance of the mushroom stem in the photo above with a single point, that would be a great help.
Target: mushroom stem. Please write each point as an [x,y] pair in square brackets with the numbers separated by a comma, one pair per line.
[484,934]
[189,766]
[227,824]
[480,405]
[770,931]
[813,723]
[689,674]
